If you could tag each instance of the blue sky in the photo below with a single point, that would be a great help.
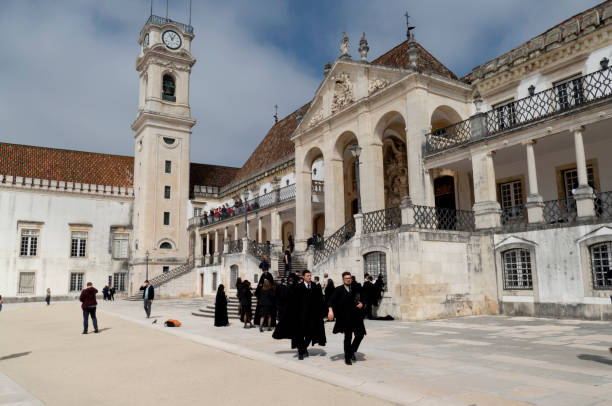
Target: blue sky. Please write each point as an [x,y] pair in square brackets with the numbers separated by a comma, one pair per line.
[68,77]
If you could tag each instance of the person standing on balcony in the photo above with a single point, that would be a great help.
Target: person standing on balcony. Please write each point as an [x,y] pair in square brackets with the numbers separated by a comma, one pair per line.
[148,294]
[346,307]
[221,319]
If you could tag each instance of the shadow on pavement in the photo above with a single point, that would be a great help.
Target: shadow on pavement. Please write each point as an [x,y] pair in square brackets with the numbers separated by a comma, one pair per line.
[596,358]
[104,329]
[17,355]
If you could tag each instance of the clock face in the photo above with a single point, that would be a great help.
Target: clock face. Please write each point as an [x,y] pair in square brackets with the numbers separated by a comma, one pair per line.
[146,40]
[171,39]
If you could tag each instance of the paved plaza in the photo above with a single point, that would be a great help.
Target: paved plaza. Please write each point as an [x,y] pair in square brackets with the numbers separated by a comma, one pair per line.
[468,361]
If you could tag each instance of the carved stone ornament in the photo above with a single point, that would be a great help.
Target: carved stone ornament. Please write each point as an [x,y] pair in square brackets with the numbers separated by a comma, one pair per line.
[343,92]
[344,46]
[377,84]
[318,116]
[396,171]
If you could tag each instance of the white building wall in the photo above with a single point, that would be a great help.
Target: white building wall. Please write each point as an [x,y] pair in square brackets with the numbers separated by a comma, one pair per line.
[53,263]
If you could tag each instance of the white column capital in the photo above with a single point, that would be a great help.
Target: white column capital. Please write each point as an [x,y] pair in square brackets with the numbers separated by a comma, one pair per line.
[576,129]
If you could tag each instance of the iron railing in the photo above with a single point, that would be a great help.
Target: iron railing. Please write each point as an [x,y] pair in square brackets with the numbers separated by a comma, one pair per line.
[603,205]
[317,187]
[440,218]
[559,99]
[448,137]
[382,220]
[153,19]
[334,241]
[258,250]
[235,246]
[514,218]
[173,273]
[560,211]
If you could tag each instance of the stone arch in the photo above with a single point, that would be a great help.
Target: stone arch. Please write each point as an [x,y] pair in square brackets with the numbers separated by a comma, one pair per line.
[443,116]
[169,86]
[391,120]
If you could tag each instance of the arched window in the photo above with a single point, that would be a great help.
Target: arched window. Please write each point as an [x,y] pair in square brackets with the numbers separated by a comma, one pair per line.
[517,269]
[169,88]
[165,246]
[233,274]
[376,264]
[601,265]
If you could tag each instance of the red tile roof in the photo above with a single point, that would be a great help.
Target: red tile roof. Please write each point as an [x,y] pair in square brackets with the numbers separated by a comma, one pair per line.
[210,175]
[70,166]
[426,62]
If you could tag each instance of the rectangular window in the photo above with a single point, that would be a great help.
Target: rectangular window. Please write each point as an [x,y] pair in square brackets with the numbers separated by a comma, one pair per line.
[29,243]
[120,246]
[197,211]
[517,269]
[76,282]
[570,180]
[168,166]
[26,282]
[79,244]
[376,264]
[601,263]
[570,92]
[119,279]
[505,114]
[165,269]
[166,218]
[511,196]
[166,192]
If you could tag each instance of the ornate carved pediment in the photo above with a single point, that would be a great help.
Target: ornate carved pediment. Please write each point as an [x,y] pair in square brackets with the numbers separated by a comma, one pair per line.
[343,92]
[377,84]
[318,116]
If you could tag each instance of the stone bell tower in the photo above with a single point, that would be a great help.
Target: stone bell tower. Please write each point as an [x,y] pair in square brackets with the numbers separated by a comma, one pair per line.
[162,132]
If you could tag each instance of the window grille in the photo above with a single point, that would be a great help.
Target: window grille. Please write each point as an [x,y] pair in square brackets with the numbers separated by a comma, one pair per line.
[120,246]
[570,92]
[197,211]
[505,114]
[79,244]
[166,218]
[601,257]
[376,264]
[29,243]
[166,192]
[76,282]
[168,167]
[511,196]
[214,281]
[26,282]
[234,274]
[119,281]
[570,179]
[517,269]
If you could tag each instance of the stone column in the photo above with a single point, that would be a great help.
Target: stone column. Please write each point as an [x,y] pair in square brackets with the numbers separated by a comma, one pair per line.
[486,207]
[207,246]
[419,119]
[236,232]
[199,248]
[216,246]
[303,204]
[371,177]
[225,241]
[429,198]
[535,203]
[584,193]
[259,229]
[275,231]
[407,209]
[333,188]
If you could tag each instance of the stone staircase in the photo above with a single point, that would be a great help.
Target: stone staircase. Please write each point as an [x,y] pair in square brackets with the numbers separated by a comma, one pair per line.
[208,310]
[296,265]
[159,280]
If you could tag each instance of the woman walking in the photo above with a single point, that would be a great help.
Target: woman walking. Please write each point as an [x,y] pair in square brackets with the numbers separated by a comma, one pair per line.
[266,301]
[221,308]
[245,304]
[48,297]
[238,289]
[329,291]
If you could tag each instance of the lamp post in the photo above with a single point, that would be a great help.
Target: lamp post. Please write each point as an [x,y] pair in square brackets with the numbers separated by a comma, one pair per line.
[356,151]
[244,196]
[147,265]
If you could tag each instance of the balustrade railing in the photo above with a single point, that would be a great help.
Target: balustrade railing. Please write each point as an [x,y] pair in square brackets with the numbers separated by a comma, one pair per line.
[559,99]
[514,218]
[440,218]
[603,205]
[173,273]
[334,241]
[162,20]
[317,187]
[235,246]
[382,220]
[561,211]
[259,250]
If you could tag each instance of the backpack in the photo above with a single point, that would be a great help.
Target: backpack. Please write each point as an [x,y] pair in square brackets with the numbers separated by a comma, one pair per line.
[172,323]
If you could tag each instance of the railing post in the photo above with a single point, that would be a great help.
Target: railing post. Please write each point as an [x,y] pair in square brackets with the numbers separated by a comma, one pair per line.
[358,224]
[245,245]
[478,125]
[225,242]
[407,209]
[535,204]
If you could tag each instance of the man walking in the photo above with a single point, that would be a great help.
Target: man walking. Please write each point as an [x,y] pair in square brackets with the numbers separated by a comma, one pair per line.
[89,303]
[148,294]
[345,306]
[310,328]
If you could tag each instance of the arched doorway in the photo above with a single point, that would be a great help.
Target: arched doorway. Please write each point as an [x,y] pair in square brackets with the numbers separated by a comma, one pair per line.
[350,186]
[287,230]
[444,190]
[318,224]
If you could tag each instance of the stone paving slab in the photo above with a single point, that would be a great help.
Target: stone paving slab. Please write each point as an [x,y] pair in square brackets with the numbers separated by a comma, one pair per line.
[12,394]
[486,360]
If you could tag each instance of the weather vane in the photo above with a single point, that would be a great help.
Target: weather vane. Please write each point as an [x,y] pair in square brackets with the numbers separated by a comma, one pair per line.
[408,27]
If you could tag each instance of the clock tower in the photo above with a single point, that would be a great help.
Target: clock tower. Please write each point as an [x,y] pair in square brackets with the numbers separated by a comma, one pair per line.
[162,132]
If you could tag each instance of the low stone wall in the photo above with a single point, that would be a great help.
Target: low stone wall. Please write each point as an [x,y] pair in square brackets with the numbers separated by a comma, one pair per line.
[586,311]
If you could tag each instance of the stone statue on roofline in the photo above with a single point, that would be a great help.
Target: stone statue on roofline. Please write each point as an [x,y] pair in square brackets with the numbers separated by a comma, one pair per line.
[364,48]
[344,46]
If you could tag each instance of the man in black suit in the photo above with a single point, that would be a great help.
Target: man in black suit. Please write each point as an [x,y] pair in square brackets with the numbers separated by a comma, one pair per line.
[310,310]
[148,294]
[345,305]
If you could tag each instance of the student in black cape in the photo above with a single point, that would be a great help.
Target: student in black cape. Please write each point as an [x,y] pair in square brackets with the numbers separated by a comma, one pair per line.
[329,291]
[245,304]
[221,308]
[238,288]
[304,324]
[368,295]
[265,302]
[346,307]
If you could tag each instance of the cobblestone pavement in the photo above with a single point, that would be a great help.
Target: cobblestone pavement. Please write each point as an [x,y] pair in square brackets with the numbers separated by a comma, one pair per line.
[467,361]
